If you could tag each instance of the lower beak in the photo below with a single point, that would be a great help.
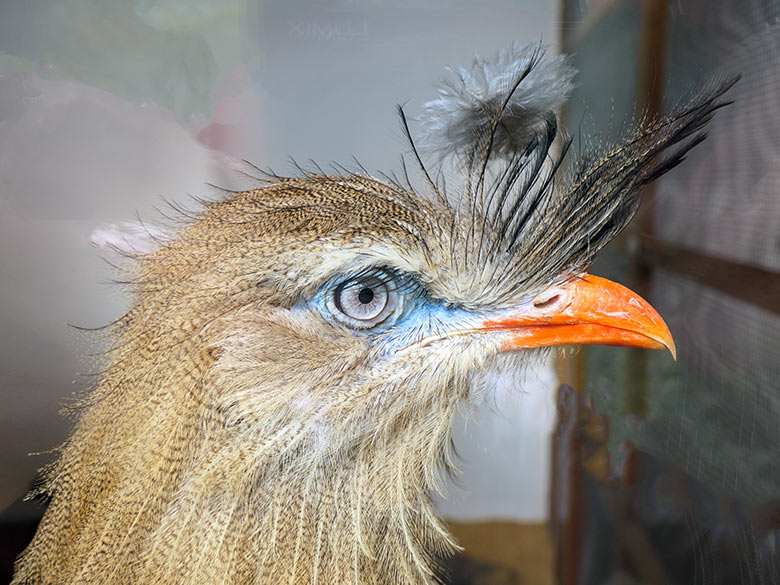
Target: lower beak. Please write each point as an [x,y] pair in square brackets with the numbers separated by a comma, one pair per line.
[588,310]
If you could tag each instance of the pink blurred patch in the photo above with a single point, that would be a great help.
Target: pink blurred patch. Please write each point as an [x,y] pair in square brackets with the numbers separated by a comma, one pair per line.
[236,119]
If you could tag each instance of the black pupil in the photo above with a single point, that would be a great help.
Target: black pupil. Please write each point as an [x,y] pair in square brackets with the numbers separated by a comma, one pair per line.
[366,295]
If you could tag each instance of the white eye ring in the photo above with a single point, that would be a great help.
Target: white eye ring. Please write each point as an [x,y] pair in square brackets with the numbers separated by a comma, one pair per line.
[365,301]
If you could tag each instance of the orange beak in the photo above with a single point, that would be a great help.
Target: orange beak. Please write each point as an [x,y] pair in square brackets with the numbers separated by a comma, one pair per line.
[589,310]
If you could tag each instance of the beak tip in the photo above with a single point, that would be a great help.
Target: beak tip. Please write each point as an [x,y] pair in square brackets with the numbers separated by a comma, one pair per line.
[667,340]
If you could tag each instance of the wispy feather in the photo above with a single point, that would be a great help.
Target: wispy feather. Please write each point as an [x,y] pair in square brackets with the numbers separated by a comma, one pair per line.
[129,238]
[472,97]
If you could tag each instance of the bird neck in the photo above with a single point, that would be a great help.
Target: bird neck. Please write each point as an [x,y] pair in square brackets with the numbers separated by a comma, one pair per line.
[145,498]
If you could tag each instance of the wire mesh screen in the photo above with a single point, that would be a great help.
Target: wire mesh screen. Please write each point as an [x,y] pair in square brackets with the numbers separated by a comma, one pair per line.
[725,202]
[706,494]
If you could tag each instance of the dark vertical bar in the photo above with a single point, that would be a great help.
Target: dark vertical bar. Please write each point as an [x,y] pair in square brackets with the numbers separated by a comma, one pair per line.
[649,101]
[566,486]
[569,369]
[566,469]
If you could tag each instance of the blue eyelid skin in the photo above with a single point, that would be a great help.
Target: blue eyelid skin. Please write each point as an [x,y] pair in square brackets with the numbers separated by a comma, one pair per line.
[429,318]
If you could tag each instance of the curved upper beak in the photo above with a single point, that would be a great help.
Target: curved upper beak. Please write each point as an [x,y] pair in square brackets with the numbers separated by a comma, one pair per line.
[588,310]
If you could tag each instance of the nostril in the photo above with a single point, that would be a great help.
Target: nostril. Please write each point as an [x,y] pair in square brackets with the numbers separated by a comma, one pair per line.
[547,302]
[549,299]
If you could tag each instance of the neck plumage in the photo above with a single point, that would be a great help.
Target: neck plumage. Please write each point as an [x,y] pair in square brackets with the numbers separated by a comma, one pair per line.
[152,487]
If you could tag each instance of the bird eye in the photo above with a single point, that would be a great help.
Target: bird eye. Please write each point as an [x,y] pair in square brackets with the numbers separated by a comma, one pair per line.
[365,301]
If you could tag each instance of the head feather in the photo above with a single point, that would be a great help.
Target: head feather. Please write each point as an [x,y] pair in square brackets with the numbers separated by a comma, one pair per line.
[535,218]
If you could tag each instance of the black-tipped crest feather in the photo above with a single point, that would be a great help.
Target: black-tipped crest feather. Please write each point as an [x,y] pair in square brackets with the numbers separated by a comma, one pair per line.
[537,223]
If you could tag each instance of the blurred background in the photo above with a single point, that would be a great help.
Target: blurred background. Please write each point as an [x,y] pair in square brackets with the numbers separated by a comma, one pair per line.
[607,467]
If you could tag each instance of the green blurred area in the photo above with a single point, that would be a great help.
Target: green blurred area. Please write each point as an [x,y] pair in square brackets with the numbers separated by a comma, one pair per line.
[165,52]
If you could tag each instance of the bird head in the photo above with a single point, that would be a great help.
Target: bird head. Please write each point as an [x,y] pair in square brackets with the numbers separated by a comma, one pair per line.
[278,403]
[363,310]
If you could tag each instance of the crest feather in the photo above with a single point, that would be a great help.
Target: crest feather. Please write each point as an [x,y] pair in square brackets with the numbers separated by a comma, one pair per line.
[472,97]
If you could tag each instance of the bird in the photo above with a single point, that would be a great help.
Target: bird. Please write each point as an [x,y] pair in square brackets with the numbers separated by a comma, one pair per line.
[276,404]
